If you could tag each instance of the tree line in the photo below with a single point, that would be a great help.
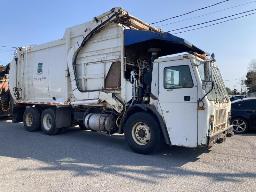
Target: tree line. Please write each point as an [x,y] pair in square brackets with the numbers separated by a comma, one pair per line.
[249,81]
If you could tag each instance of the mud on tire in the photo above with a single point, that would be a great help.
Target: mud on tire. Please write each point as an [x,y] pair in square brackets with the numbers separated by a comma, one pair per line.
[31,119]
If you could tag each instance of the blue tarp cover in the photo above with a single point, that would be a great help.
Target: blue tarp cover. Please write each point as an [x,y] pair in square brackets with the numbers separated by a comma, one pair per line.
[166,41]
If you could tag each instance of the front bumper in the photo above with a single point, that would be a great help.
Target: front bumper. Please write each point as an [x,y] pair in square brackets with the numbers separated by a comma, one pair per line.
[220,136]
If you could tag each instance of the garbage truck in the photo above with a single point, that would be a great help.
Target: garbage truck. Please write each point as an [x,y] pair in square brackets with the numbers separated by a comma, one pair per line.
[119,75]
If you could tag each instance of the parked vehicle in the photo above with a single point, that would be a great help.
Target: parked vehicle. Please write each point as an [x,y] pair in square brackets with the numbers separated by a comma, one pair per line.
[237,97]
[5,97]
[243,113]
[118,74]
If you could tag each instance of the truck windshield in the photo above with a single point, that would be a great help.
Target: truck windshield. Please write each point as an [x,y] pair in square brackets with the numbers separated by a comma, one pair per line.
[208,71]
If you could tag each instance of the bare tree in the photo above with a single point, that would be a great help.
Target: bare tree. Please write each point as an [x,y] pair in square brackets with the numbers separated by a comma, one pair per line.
[252,65]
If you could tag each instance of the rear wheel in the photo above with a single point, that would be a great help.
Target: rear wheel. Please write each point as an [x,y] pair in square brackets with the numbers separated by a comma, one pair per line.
[239,125]
[142,133]
[48,122]
[31,119]
[5,101]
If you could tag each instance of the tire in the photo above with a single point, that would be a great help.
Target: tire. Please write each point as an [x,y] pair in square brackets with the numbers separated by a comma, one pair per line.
[31,119]
[142,133]
[48,122]
[240,125]
[5,101]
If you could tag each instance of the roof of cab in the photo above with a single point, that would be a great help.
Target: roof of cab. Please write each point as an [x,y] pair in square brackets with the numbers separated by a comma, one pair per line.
[168,43]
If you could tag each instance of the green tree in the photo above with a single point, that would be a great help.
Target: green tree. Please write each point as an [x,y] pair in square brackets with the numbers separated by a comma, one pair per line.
[250,81]
[229,90]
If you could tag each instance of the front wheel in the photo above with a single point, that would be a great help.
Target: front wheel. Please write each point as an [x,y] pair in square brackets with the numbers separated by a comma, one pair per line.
[142,133]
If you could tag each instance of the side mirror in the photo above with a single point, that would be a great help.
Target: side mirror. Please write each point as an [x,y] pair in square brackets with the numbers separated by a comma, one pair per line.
[208,85]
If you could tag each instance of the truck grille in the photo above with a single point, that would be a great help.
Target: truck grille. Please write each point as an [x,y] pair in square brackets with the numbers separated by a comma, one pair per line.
[220,119]
[221,116]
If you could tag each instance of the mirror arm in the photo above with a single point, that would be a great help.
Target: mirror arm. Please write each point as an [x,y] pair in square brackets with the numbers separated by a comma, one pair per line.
[207,92]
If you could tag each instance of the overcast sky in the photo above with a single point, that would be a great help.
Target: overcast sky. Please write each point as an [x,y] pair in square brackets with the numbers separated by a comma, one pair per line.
[234,43]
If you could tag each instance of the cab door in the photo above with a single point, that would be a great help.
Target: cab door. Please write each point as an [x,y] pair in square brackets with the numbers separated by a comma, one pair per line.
[178,101]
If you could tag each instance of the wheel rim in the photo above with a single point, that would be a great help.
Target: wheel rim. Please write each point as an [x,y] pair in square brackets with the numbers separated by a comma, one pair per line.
[47,122]
[141,133]
[29,119]
[239,125]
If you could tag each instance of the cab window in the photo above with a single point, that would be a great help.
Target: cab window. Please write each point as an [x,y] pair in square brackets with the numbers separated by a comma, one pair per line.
[177,77]
[40,68]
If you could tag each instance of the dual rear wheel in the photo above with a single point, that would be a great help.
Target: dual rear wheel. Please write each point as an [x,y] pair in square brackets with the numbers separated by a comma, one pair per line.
[33,120]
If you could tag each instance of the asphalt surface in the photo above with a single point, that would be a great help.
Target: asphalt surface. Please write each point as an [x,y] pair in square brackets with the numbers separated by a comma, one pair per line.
[86,161]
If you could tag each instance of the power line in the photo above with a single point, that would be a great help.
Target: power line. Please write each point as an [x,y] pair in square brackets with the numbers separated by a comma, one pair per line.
[206,26]
[210,13]
[7,46]
[193,11]
[6,51]
[211,21]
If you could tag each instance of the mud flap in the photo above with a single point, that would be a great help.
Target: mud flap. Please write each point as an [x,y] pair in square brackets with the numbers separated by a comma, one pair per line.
[63,117]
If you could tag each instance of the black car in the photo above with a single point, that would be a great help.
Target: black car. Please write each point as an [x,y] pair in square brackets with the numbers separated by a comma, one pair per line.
[243,115]
[236,97]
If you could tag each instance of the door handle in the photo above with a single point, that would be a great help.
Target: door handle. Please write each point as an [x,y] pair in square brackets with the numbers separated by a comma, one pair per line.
[186,98]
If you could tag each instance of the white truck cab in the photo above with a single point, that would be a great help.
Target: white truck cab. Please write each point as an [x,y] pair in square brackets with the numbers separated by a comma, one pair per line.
[195,109]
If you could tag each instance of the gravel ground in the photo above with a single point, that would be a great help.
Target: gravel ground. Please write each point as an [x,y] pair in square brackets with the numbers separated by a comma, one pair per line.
[86,161]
